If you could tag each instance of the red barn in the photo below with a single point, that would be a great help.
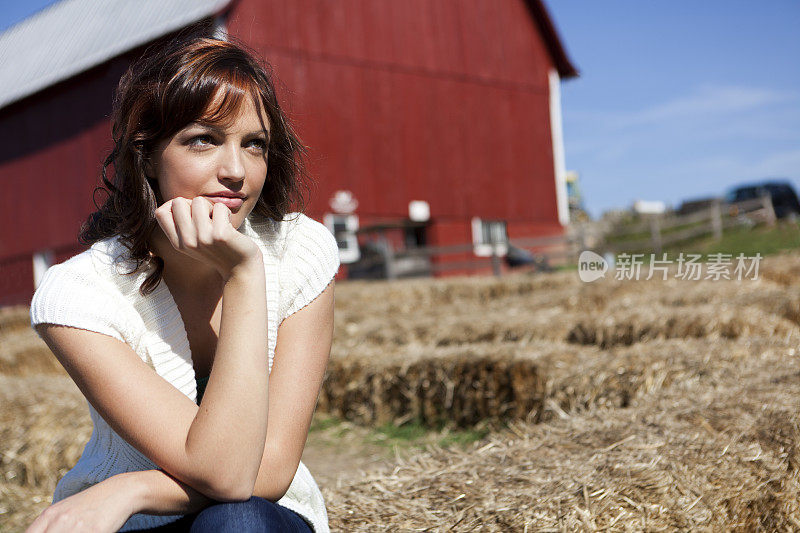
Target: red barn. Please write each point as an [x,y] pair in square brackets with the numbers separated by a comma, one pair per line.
[436,122]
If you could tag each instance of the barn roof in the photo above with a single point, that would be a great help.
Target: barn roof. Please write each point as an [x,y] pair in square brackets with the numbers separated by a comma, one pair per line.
[82,34]
[548,30]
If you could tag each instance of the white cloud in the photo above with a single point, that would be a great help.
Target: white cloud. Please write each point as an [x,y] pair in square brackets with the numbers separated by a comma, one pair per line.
[709,100]
[706,101]
[711,113]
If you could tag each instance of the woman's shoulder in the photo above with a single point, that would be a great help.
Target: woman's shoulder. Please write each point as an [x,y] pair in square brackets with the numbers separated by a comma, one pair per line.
[305,237]
[295,233]
[106,261]
[87,266]
[309,262]
[85,291]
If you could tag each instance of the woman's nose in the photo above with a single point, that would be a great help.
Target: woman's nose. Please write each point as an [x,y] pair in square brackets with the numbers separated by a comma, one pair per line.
[231,166]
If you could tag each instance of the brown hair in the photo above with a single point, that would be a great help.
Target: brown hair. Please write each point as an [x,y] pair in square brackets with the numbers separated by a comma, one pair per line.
[169,86]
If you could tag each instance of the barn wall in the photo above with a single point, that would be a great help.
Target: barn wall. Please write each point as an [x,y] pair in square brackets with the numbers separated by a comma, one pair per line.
[444,101]
[51,148]
[52,145]
[437,100]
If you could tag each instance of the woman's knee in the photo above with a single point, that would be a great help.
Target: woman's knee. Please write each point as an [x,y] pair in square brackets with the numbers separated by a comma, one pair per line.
[255,514]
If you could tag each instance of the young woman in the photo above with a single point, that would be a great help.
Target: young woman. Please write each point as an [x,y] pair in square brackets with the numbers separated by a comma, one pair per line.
[198,279]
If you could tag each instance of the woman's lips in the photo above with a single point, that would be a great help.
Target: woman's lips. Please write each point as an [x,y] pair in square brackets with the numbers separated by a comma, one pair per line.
[232,203]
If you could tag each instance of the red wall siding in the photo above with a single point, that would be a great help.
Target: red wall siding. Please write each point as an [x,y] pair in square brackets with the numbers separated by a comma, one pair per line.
[437,100]
[52,145]
[496,40]
[51,151]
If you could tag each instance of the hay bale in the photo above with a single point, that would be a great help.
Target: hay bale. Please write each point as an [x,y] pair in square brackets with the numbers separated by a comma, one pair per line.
[782,269]
[626,327]
[19,506]
[22,352]
[618,378]
[14,318]
[680,412]
[459,390]
[44,425]
[384,319]
[710,455]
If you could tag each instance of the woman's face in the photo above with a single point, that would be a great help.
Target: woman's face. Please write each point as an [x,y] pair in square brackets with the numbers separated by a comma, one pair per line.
[227,165]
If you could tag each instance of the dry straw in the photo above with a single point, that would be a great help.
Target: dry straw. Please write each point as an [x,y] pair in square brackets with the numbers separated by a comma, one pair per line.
[718,449]
[662,405]
[463,391]
[410,350]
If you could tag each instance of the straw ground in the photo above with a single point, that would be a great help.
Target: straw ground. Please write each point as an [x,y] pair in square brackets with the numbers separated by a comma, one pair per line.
[635,405]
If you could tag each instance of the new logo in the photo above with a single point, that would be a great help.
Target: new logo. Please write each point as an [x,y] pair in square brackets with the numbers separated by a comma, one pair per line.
[591,266]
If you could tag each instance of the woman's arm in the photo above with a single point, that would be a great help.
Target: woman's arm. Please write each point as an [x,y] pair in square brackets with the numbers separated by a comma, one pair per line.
[106,506]
[193,444]
[302,350]
[301,355]
[233,416]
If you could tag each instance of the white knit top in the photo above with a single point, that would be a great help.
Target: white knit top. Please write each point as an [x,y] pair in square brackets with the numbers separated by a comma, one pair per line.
[91,291]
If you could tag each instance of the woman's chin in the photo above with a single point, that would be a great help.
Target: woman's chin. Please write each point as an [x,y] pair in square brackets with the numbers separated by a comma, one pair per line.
[237,219]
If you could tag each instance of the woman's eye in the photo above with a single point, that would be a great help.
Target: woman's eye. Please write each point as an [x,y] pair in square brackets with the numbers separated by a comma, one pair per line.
[201,140]
[196,141]
[262,145]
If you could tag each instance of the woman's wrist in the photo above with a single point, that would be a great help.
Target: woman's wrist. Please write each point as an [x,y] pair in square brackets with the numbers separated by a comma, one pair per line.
[133,486]
[139,487]
[155,492]
[246,269]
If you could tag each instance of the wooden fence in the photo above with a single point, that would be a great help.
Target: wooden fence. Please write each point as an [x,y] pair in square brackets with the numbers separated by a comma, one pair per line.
[656,232]
[651,232]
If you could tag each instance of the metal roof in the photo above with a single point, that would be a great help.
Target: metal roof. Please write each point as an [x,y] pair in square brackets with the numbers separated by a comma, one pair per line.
[71,36]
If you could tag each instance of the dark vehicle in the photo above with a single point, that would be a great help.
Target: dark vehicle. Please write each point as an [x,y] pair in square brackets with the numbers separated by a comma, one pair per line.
[784,198]
[517,257]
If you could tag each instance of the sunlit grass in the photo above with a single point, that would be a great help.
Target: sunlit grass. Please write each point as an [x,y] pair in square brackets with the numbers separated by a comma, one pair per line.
[763,239]
[416,434]
[412,434]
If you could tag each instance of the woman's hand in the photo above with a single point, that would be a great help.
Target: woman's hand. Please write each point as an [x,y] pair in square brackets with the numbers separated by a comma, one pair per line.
[202,230]
[103,507]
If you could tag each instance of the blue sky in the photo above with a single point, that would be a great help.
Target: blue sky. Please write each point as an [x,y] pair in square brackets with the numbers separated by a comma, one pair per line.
[12,11]
[677,99]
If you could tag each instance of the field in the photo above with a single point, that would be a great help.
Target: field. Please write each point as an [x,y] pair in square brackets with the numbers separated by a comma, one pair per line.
[537,403]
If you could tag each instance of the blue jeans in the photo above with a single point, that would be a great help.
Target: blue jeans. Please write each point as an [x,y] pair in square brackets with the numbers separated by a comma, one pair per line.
[254,515]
